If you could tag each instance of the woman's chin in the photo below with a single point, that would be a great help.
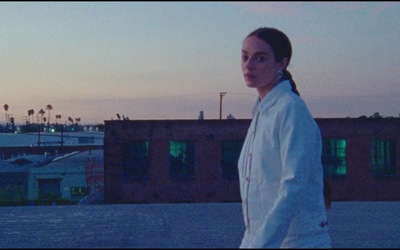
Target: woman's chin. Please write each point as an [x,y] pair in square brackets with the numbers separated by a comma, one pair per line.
[251,84]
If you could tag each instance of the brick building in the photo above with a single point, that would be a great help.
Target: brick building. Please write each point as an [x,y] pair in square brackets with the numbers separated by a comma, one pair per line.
[175,161]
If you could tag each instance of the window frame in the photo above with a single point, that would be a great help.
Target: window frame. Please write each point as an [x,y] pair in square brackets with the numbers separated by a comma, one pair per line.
[387,157]
[135,167]
[334,162]
[186,166]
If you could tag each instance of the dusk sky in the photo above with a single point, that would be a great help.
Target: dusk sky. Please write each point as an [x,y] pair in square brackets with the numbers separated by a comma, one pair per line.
[171,60]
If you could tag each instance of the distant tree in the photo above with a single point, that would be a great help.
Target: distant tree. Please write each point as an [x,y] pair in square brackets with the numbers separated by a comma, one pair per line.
[29,116]
[49,107]
[12,124]
[32,113]
[70,119]
[6,109]
[376,115]
[58,117]
[41,113]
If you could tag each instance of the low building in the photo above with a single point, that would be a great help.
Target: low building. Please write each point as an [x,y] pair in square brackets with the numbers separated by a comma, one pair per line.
[174,161]
[68,177]
[13,145]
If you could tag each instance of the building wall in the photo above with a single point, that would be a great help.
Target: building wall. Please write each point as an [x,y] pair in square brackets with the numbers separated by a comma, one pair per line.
[70,176]
[360,184]
[208,185]
[75,170]
[13,186]
[71,170]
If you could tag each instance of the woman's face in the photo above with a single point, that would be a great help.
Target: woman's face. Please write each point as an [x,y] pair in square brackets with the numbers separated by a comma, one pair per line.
[258,65]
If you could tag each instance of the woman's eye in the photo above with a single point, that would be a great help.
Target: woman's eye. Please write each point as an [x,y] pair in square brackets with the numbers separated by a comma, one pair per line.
[260,59]
[244,58]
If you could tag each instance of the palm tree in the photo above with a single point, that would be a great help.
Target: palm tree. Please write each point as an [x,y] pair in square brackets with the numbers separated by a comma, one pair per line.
[58,117]
[29,116]
[49,107]
[32,113]
[71,120]
[41,113]
[6,109]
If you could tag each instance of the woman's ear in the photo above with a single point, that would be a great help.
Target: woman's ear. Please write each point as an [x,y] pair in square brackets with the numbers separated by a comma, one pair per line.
[284,62]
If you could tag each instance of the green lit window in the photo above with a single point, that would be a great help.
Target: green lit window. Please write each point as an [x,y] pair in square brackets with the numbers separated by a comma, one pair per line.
[383,157]
[230,156]
[135,160]
[334,157]
[181,158]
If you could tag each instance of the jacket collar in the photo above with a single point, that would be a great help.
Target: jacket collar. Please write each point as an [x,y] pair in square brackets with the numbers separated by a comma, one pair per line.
[270,99]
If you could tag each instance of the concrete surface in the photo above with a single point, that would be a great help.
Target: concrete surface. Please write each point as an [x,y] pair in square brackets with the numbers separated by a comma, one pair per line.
[202,225]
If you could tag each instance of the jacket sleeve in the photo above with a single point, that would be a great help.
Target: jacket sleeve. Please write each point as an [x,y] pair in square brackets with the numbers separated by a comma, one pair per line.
[299,148]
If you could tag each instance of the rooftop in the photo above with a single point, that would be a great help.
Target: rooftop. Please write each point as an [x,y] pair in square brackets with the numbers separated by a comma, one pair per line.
[53,139]
[200,225]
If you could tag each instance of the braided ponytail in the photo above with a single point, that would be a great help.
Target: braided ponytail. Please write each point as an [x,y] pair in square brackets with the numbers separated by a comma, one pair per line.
[287,76]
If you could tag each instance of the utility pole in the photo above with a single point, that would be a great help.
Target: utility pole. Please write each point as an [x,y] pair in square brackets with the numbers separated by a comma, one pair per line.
[221,94]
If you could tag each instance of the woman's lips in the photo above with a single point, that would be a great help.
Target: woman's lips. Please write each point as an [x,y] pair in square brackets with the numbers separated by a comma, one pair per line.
[249,76]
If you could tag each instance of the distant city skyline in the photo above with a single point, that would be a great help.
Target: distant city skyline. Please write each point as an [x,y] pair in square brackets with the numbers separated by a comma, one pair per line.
[171,60]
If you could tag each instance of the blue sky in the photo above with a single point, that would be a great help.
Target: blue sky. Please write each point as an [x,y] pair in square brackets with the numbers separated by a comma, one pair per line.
[171,60]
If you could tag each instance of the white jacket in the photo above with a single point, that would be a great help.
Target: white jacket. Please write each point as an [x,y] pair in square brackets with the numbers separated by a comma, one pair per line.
[281,175]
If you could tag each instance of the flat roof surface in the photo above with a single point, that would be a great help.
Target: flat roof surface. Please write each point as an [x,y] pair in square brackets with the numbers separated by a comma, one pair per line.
[51,139]
[199,225]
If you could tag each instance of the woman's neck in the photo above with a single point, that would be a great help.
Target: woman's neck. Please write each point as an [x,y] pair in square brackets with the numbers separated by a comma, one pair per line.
[264,90]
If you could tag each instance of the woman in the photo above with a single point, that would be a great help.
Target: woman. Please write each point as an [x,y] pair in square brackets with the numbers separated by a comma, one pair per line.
[280,169]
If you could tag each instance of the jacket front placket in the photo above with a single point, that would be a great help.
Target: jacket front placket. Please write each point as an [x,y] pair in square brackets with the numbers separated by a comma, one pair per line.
[248,164]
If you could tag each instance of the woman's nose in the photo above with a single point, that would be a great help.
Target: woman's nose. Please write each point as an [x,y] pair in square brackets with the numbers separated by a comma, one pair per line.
[249,64]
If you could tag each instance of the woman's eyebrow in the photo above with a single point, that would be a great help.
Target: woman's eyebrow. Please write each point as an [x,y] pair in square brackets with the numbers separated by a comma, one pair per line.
[258,53]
